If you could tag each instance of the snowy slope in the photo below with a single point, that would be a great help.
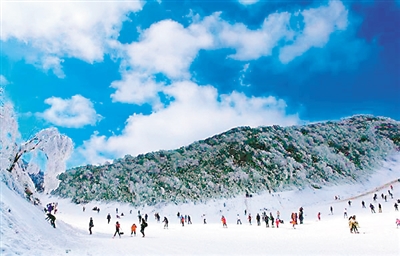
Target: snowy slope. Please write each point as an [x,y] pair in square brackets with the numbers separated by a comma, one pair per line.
[25,232]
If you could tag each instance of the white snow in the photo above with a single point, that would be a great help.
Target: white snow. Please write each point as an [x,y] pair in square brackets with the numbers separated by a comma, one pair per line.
[24,230]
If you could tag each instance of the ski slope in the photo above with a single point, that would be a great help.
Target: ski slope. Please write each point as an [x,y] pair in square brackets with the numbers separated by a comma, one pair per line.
[24,230]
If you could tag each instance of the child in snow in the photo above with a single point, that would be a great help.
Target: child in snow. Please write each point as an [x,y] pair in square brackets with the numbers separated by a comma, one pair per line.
[223,220]
[398,223]
[238,220]
[277,221]
[133,229]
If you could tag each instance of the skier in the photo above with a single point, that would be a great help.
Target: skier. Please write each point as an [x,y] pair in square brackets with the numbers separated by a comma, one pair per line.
[349,202]
[189,220]
[249,218]
[380,208]
[238,220]
[277,221]
[143,226]
[396,207]
[223,220]
[52,219]
[375,197]
[258,218]
[331,210]
[278,214]
[397,223]
[133,229]
[165,222]
[363,204]
[117,227]
[145,217]
[108,218]
[372,207]
[345,213]
[319,216]
[91,225]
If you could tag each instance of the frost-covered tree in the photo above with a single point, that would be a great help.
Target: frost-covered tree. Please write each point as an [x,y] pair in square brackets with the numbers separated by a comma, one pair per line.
[55,146]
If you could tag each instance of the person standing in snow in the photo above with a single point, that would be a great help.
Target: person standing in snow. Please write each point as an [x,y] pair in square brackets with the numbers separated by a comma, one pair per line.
[91,225]
[319,216]
[223,220]
[353,224]
[266,219]
[117,227]
[183,221]
[345,213]
[349,202]
[396,206]
[143,226]
[271,217]
[189,220]
[363,204]
[145,217]
[238,221]
[331,210]
[108,218]
[133,229]
[165,222]
[380,208]
[293,221]
[249,218]
[258,218]
[277,221]
[397,223]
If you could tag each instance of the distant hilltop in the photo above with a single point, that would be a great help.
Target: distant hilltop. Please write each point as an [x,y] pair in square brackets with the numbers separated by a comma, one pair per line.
[239,161]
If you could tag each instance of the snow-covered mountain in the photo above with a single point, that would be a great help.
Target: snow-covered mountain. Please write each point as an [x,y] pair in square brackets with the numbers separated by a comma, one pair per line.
[241,160]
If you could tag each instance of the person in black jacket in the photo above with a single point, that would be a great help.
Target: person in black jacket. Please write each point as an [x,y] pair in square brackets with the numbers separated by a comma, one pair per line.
[143,226]
[91,225]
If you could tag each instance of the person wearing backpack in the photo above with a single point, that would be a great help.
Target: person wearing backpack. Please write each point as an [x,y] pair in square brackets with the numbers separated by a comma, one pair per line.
[143,226]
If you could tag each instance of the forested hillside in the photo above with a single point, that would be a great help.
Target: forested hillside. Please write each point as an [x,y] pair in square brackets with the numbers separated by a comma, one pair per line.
[240,160]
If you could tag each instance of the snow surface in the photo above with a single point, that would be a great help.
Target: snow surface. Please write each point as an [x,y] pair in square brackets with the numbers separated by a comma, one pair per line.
[24,230]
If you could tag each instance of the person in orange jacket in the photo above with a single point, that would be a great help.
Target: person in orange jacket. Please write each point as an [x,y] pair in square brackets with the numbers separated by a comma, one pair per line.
[133,229]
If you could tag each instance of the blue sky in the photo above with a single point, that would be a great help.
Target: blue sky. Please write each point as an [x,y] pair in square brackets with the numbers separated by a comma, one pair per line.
[130,77]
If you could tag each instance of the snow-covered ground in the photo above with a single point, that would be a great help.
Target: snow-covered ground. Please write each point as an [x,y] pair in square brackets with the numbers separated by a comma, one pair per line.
[24,230]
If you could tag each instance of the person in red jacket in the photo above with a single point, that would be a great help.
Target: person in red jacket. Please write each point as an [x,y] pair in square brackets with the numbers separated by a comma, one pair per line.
[117,227]
[223,222]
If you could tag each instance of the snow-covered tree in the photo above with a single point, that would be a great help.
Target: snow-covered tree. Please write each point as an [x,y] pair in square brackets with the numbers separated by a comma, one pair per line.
[55,146]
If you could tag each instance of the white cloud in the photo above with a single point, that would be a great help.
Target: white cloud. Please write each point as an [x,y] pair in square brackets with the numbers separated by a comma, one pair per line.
[137,88]
[3,80]
[56,30]
[248,2]
[319,24]
[252,44]
[169,48]
[196,113]
[73,113]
